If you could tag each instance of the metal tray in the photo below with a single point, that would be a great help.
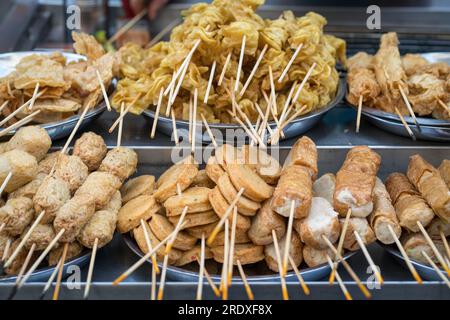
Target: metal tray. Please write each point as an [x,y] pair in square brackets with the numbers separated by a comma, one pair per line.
[430,133]
[42,274]
[293,129]
[425,271]
[57,129]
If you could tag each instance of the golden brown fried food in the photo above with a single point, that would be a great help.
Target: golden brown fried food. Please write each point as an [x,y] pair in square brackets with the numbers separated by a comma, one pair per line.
[30,189]
[121,162]
[324,187]
[142,185]
[202,180]
[241,238]
[295,252]
[196,219]
[130,215]
[362,227]
[72,170]
[314,257]
[195,198]
[181,174]
[47,163]
[246,253]
[444,170]
[101,227]
[412,62]
[74,249]
[304,153]
[91,149]
[162,228]
[32,139]
[17,263]
[102,186]
[266,166]
[41,236]
[263,223]
[50,196]
[213,169]
[16,214]
[192,255]
[21,164]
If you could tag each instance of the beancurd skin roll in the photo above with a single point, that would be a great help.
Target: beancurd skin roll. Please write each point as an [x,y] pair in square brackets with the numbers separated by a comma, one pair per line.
[324,187]
[355,181]
[295,252]
[383,215]
[16,214]
[295,184]
[429,182]
[23,166]
[32,139]
[263,223]
[304,153]
[362,227]
[444,170]
[436,226]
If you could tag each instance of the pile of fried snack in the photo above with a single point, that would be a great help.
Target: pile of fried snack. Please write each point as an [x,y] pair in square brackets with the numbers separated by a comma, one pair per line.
[269,189]
[221,26]
[78,193]
[378,80]
[64,88]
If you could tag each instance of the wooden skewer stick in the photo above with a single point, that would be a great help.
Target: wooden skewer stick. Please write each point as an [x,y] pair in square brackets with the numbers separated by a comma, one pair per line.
[241,60]
[272,103]
[91,269]
[433,247]
[121,116]
[5,183]
[33,97]
[226,257]
[19,123]
[262,115]
[163,32]
[2,226]
[6,250]
[265,122]
[232,243]
[369,259]
[194,119]
[288,66]
[224,69]
[284,112]
[210,280]
[190,118]
[4,105]
[24,239]
[127,26]
[443,105]
[287,244]
[60,272]
[445,242]
[340,282]
[272,93]
[242,124]
[12,114]
[50,279]
[250,125]
[436,268]
[153,285]
[158,108]
[252,73]
[219,225]
[299,276]
[41,257]
[410,109]
[149,245]
[75,129]
[348,268]
[280,267]
[405,256]
[176,230]
[202,269]
[302,84]
[408,129]
[119,133]
[244,280]
[169,105]
[276,137]
[208,129]
[102,87]
[340,243]
[210,80]
[174,125]
[162,280]
[358,115]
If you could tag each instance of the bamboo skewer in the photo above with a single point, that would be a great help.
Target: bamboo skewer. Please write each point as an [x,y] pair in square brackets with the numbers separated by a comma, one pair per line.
[284,290]
[12,114]
[153,285]
[252,73]
[226,257]
[19,123]
[162,33]
[410,109]
[348,268]
[209,279]
[2,226]
[288,66]
[169,105]
[6,250]
[4,105]
[287,245]
[127,26]
[102,87]
[33,97]
[176,230]
[405,256]
[158,108]
[436,268]
[299,277]
[232,243]
[119,133]
[358,116]
[302,84]
[241,60]
[210,80]
[272,93]
[50,279]
[202,269]
[224,69]
[340,282]
[194,119]
[284,112]
[250,125]
[162,280]
[91,269]
[276,136]
[433,247]
[190,119]
[60,272]
[242,124]
[408,129]
[124,113]
[72,134]
[174,125]
[149,245]
[219,225]
[340,243]
[368,258]
[5,183]
[443,105]
[444,241]
[248,290]
[208,129]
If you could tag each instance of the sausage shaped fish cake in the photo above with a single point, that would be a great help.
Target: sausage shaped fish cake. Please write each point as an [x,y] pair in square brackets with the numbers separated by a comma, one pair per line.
[41,236]
[31,139]
[130,215]
[73,216]
[263,223]
[205,229]
[195,198]
[142,185]
[161,228]
[72,170]
[295,251]
[48,162]
[101,227]
[30,189]
[50,196]
[16,214]
[246,253]
[74,249]
[21,164]
[91,149]
[121,162]
[115,203]
[101,185]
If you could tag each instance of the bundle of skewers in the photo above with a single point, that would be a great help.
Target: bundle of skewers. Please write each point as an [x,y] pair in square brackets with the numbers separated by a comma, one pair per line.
[246,211]
[408,85]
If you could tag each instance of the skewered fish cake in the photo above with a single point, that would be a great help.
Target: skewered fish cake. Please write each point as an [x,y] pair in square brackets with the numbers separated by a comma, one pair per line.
[41,236]
[101,185]
[91,149]
[195,198]
[295,252]
[192,255]
[130,215]
[21,164]
[120,161]
[181,174]
[73,250]
[72,170]
[241,238]
[142,185]
[32,139]
[196,219]
[161,228]
[50,196]
[246,253]
[16,214]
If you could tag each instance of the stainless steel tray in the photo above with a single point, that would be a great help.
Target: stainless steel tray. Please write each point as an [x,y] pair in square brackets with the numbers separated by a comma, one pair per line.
[295,128]
[57,129]
[425,271]
[42,274]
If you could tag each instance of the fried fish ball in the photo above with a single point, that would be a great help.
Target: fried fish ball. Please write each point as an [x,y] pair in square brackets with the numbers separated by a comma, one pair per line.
[41,236]
[74,249]
[295,252]
[16,214]
[314,257]
[50,196]
[195,198]
[73,216]
[101,226]
[21,164]
[48,162]
[101,185]
[91,149]
[142,185]
[30,189]
[121,162]
[72,170]
[192,255]
[115,203]
[31,139]
[130,215]
[161,228]
[263,223]
[364,230]
[246,253]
